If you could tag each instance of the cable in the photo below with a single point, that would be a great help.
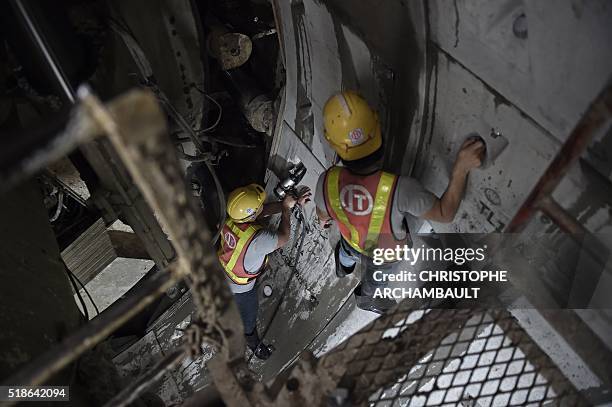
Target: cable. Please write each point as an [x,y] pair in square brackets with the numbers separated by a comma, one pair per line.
[221,198]
[218,106]
[86,292]
[216,123]
[60,206]
[84,313]
[73,277]
[210,139]
[202,157]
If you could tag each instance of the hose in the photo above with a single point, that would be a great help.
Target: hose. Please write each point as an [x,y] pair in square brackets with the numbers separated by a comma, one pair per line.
[60,205]
[221,197]
[84,313]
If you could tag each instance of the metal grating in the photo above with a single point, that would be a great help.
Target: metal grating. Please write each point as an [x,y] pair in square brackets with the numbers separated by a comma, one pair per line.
[450,357]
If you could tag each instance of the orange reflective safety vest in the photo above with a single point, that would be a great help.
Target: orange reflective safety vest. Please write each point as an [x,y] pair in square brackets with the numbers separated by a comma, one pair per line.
[235,240]
[361,205]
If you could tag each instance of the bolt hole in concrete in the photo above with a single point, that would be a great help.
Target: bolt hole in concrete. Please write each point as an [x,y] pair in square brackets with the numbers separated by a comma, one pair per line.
[519,27]
[293,384]
[495,143]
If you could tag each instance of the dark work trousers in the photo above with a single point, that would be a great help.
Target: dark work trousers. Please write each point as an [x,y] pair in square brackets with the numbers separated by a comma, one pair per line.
[368,284]
[248,304]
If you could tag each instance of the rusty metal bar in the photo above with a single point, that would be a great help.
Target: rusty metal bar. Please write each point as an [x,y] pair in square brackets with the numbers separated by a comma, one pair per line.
[136,128]
[593,120]
[227,383]
[143,119]
[139,135]
[560,216]
[96,330]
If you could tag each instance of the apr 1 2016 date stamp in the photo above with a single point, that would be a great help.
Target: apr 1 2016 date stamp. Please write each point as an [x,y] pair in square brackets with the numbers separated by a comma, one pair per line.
[34,393]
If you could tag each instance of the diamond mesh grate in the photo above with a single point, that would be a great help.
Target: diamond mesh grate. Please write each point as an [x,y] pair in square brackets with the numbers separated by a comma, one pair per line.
[449,357]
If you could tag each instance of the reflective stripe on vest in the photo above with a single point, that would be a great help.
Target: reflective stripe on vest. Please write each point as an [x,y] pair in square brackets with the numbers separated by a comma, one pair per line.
[380,203]
[236,271]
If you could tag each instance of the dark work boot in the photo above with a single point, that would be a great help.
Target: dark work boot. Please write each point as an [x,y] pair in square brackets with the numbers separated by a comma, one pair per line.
[341,271]
[260,350]
[377,305]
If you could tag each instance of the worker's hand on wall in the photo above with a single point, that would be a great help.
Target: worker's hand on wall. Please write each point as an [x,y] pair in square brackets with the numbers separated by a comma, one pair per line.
[470,156]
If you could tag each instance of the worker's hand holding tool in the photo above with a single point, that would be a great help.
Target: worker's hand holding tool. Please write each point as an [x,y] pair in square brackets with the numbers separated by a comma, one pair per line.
[300,198]
[470,155]
[304,195]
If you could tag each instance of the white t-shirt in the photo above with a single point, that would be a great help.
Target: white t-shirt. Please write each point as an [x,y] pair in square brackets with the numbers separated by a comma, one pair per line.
[264,243]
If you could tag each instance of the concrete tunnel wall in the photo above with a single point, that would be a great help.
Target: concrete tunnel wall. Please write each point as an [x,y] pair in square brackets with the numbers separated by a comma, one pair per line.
[475,72]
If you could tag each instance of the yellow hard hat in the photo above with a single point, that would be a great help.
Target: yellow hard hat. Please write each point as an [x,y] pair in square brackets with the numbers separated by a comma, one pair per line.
[351,126]
[244,204]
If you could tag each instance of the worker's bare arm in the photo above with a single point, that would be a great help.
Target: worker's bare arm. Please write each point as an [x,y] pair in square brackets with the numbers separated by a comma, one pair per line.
[445,208]
[271,208]
[284,229]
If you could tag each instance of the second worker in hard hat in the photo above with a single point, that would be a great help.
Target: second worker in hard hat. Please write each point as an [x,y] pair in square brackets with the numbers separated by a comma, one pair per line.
[244,248]
[369,205]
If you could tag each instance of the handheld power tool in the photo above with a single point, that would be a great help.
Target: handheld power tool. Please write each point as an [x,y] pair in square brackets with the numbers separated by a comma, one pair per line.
[288,184]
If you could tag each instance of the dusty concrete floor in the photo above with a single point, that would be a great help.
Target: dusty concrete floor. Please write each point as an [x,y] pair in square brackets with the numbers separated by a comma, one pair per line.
[113,282]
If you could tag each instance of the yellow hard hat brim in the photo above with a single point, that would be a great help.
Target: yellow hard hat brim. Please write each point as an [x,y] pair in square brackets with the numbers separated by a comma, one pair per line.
[351,153]
[251,218]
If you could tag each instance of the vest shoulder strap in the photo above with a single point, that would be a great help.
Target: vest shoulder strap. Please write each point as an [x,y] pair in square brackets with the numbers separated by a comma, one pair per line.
[381,203]
[244,236]
[335,200]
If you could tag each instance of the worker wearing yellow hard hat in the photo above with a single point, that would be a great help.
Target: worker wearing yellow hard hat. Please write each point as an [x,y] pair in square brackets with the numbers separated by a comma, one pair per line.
[245,245]
[370,205]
